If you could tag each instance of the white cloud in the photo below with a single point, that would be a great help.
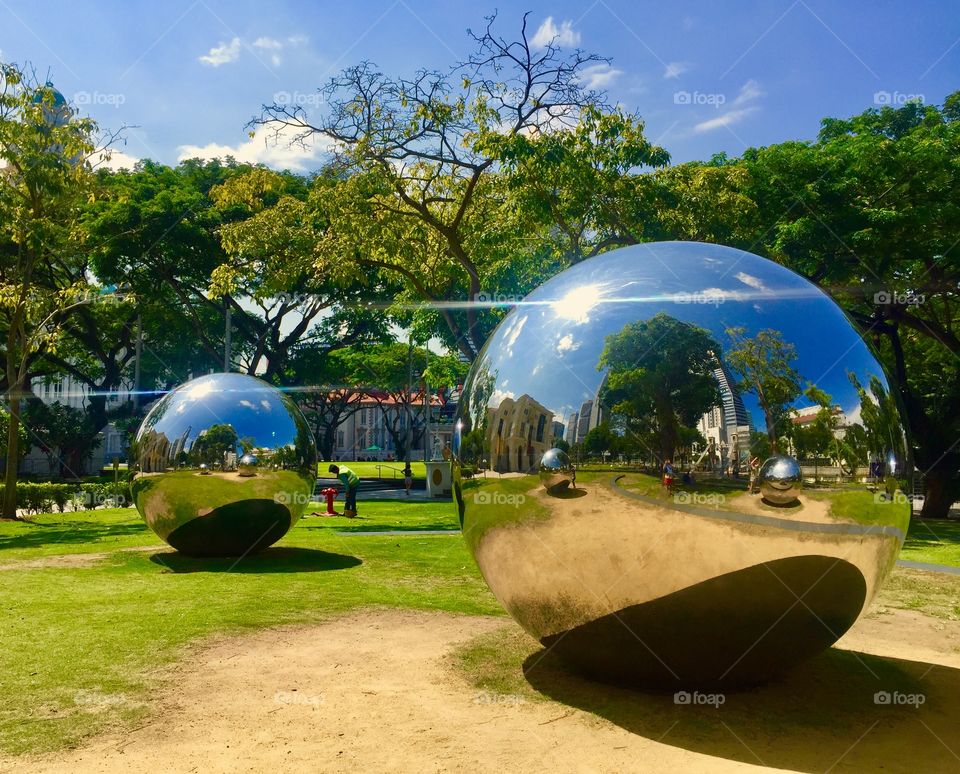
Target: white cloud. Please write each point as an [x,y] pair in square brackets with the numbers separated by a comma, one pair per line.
[297,40]
[599,76]
[270,44]
[222,54]
[749,279]
[511,334]
[262,148]
[499,396]
[749,92]
[567,344]
[118,160]
[675,69]
[548,32]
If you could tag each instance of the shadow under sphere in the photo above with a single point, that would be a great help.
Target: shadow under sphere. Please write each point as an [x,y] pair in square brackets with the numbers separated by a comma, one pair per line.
[226,465]
[704,356]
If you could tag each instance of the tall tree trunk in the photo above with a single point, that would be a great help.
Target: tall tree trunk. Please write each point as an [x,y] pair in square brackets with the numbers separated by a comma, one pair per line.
[13,457]
[941,489]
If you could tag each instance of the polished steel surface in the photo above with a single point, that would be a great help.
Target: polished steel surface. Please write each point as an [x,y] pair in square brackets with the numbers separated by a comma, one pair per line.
[556,471]
[226,464]
[780,480]
[689,579]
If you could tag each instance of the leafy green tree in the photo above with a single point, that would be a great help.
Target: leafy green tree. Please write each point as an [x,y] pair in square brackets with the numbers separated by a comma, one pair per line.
[420,197]
[871,212]
[601,439]
[67,436]
[212,446]
[660,378]
[764,364]
[44,182]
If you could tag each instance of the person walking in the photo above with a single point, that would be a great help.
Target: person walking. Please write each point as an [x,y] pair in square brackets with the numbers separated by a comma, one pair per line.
[350,481]
[668,475]
[753,487]
[407,478]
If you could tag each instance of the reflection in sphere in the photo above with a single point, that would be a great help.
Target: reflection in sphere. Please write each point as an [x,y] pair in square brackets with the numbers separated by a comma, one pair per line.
[711,359]
[197,489]
[247,465]
[556,472]
[780,480]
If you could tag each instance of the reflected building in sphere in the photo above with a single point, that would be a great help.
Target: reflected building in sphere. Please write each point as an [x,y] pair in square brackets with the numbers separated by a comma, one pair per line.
[725,428]
[521,431]
[628,581]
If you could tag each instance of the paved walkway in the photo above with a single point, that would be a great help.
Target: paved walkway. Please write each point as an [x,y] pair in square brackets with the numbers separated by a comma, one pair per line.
[929,567]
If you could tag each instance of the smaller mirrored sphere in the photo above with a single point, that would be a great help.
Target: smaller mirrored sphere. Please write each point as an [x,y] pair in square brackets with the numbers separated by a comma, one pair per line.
[780,480]
[226,464]
[247,465]
[556,471]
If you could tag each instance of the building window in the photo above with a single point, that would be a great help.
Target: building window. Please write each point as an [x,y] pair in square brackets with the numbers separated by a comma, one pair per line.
[340,438]
[541,424]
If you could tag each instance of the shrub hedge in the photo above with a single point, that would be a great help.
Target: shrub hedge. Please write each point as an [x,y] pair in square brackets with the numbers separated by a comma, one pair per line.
[42,497]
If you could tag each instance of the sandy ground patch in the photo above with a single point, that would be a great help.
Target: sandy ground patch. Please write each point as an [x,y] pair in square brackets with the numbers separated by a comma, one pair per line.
[377,691]
[69,561]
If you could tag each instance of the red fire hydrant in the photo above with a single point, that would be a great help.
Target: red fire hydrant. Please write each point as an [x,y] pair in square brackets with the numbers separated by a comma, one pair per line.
[330,493]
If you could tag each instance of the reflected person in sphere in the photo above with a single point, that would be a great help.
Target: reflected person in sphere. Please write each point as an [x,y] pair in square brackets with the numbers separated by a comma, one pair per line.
[350,481]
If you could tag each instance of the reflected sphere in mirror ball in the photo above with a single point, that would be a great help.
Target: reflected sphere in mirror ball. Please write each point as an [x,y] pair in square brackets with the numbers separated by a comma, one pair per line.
[226,464]
[780,479]
[556,472]
[670,371]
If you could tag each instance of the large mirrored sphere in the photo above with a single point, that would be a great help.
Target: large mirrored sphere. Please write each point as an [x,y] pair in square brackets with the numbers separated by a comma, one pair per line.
[226,464]
[710,359]
[780,479]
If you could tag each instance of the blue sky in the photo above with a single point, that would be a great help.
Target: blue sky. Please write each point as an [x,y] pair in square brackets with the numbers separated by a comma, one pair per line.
[706,76]
[549,347]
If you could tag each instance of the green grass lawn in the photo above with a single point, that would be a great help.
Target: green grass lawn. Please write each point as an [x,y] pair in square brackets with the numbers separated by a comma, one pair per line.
[83,643]
[369,469]
[80,645]
[933,541]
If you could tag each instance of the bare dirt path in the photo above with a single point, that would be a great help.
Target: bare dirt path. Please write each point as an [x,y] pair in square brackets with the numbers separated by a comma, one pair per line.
[377,691]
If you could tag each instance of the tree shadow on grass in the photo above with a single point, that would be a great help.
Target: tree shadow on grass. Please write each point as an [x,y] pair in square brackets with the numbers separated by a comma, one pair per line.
[277,559]
[827,712]
[69,531]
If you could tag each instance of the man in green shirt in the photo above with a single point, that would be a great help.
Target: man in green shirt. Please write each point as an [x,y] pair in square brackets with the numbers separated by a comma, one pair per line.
[350,481]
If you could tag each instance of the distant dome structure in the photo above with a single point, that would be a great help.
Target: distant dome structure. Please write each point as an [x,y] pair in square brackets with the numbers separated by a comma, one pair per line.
[56,110]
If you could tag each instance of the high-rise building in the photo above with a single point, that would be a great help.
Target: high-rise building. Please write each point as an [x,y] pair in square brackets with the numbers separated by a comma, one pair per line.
[583,422]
